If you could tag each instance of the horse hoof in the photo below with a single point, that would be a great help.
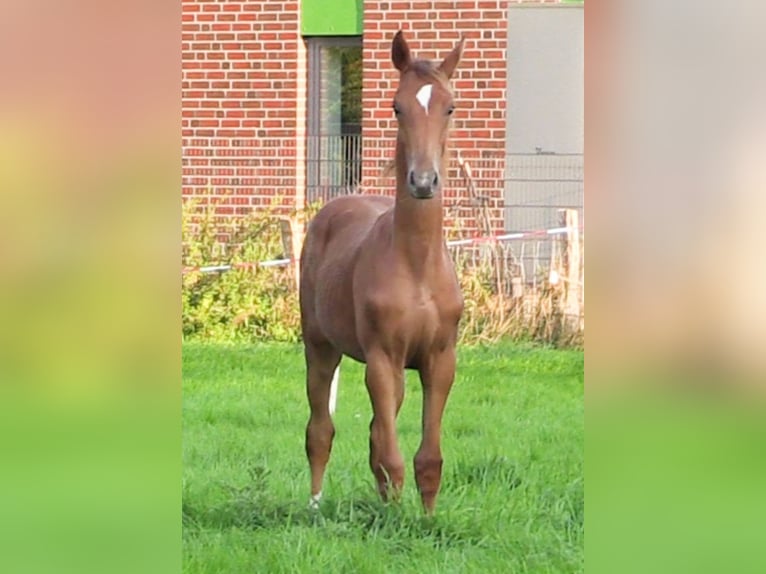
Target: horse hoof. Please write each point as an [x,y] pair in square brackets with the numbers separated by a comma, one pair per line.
[314,501]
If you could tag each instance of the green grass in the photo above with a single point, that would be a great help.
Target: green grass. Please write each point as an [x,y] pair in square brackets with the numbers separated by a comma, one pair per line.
[511,498]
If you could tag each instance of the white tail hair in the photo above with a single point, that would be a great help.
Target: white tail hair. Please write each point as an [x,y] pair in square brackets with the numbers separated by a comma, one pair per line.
[334,389]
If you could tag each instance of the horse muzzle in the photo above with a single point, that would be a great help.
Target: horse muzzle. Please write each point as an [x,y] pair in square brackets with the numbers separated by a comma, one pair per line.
[423,185]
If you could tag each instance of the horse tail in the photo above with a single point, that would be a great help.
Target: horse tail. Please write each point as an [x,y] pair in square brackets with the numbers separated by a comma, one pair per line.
[334,389]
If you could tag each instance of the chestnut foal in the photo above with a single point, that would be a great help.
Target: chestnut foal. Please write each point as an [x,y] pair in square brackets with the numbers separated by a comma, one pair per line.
[378,285]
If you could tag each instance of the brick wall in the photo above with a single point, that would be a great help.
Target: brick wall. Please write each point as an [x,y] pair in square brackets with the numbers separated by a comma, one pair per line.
[244,98]
[243,103]
[432,28]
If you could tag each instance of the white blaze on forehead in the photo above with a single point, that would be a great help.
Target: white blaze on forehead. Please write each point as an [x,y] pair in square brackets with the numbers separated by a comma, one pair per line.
[424,96]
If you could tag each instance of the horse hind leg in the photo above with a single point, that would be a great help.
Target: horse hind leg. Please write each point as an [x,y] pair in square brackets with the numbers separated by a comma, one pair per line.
[321,364]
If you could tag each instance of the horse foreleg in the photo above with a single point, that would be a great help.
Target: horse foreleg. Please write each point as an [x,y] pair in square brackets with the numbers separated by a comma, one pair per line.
[436,377]
[320,366]
[385,384]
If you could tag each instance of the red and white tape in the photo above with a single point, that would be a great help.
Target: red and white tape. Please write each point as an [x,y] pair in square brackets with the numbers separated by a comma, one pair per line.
[453,243]
[507,236]
[218,268]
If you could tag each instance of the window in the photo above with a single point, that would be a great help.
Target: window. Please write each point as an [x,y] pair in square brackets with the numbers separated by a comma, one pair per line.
[334,116]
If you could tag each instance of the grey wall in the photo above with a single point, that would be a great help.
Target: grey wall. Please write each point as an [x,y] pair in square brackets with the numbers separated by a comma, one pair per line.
[545,79]
[545,115]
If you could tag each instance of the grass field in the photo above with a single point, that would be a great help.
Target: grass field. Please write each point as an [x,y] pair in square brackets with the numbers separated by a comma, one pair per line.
[512,486]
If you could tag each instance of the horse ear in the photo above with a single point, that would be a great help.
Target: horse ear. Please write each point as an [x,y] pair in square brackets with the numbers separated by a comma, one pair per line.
[450,62]
[400,52]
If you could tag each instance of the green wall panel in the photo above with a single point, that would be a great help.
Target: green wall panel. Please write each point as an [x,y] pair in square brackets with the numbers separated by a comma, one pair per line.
[331,17]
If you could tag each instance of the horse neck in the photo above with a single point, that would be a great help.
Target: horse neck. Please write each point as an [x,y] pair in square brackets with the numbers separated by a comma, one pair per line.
[417,222]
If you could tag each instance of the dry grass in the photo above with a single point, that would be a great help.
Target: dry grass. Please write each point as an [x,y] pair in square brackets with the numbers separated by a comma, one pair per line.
[491,315]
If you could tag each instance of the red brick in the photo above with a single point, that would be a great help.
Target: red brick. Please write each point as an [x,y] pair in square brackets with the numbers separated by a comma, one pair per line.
[251,101]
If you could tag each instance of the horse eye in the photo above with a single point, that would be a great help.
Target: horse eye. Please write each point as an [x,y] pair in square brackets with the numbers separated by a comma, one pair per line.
[450,110]
[397,111]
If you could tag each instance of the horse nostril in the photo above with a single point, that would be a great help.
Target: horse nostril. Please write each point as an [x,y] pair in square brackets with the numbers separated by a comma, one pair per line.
[412,178]
[436,179]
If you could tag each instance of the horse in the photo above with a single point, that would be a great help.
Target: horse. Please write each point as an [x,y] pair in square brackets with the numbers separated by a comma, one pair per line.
[378,285]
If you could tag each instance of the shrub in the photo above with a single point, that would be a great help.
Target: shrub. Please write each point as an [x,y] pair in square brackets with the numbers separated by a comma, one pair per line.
[245,303]
[256,303]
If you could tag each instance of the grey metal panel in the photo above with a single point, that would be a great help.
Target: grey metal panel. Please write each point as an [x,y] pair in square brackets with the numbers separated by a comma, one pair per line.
[537,186]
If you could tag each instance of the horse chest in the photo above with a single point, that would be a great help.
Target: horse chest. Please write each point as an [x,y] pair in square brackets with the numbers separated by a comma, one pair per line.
[412,318]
